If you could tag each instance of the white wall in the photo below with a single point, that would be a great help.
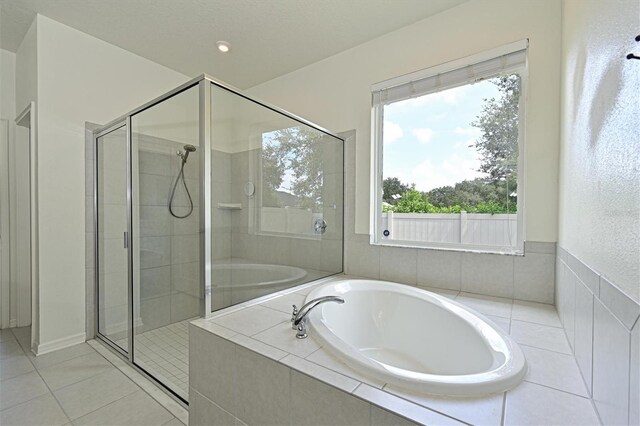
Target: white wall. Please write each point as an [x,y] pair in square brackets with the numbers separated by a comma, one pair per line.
[336,93]
[80,78]
[599,212]
[27,69]
[22,261]
[598,278]
[14,204]
[7,84]
[7,114]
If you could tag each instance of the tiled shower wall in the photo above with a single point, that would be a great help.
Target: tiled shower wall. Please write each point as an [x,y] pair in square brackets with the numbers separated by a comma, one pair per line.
[221,193]
[169,247]
[529,277]
[221,223]
[601,324]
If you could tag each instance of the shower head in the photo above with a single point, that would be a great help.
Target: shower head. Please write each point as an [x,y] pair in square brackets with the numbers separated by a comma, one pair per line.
[187,149]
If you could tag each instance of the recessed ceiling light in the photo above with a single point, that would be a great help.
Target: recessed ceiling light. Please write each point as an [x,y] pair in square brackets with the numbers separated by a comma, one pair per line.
[223,46]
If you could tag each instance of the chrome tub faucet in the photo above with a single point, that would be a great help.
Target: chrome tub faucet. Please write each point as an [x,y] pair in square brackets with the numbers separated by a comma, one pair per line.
[299,317]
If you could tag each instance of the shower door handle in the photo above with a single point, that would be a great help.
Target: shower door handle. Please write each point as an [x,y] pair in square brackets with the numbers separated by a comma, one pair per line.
[126,239]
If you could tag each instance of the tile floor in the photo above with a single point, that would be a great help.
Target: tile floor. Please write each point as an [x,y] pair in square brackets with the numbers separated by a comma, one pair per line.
[76,385]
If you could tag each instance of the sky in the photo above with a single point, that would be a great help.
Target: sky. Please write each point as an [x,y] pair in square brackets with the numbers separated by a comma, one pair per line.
[426,139]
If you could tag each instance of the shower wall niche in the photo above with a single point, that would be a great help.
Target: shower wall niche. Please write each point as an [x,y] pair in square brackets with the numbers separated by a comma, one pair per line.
[205,198]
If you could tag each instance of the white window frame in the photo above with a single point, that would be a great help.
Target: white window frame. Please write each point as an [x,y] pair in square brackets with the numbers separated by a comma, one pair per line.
[377,120]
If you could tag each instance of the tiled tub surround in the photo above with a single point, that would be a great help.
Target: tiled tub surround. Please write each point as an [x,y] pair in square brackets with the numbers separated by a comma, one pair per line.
[529,277]
[248,367]
[603,330]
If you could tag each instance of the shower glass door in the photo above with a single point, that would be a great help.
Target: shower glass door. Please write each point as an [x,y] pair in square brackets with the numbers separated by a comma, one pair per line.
[165,160]
[112,250]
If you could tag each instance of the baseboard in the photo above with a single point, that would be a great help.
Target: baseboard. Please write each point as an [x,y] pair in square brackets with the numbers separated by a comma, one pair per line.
[13,323]
[65,342]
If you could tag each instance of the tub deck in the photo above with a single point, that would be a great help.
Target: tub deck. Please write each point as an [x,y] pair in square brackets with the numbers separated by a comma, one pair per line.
[256,356]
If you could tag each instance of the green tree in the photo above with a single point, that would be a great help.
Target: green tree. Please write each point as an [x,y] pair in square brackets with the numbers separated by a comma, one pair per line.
[470,194]
[393,186]
[413,201]
[498,149]
[273,168]
[475,196]
[297,150]
[498,122]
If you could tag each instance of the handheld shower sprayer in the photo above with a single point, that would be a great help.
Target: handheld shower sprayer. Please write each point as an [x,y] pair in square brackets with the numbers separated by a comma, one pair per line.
[187,150]
[183,155]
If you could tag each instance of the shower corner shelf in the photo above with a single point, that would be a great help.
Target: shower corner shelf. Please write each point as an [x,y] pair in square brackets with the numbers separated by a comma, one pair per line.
[230,206]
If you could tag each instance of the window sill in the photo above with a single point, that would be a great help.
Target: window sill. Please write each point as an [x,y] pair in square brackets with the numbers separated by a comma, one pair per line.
[507,251]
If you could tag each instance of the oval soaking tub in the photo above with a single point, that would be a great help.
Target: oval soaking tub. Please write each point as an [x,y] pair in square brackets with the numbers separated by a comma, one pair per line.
[416,339]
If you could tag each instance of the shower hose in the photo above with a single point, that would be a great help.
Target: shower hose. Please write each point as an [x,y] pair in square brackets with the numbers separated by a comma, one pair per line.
[179,178]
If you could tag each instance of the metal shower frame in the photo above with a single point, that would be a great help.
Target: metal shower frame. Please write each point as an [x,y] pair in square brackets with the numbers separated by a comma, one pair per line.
[204,83]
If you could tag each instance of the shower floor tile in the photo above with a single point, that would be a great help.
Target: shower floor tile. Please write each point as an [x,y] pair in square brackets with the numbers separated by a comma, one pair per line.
[164,353]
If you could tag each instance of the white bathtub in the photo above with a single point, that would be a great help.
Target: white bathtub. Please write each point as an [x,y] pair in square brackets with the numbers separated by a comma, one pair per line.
[416,339]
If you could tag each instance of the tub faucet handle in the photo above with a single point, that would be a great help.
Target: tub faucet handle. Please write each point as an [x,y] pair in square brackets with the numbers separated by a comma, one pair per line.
[293,316]
[299,321]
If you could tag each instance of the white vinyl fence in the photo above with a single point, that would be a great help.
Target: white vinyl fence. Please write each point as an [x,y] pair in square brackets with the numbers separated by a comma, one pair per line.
[288,220]
[465,228]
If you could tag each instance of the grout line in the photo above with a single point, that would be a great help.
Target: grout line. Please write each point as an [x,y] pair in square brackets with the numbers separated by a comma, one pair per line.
[139,376]
[418,404]
[33,398]
[591,349]
[513,278]
[48,388]
[558,390]
[630,379]
[504,409]
[548,350]
[37,397]
[536,323]
[106,405]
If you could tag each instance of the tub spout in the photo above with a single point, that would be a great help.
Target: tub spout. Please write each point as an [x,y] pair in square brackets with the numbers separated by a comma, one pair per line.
[299,317]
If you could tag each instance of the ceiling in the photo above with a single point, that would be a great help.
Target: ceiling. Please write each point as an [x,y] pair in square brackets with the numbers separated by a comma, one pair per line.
[269,38]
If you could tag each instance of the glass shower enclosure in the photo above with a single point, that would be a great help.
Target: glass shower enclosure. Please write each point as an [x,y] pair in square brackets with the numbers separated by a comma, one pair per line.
[205,198]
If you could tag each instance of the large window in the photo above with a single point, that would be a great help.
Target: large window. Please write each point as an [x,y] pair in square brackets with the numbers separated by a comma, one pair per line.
[448,150]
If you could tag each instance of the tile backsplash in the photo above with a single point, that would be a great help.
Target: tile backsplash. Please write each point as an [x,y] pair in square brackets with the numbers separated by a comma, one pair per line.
[529,277]
[601,324]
